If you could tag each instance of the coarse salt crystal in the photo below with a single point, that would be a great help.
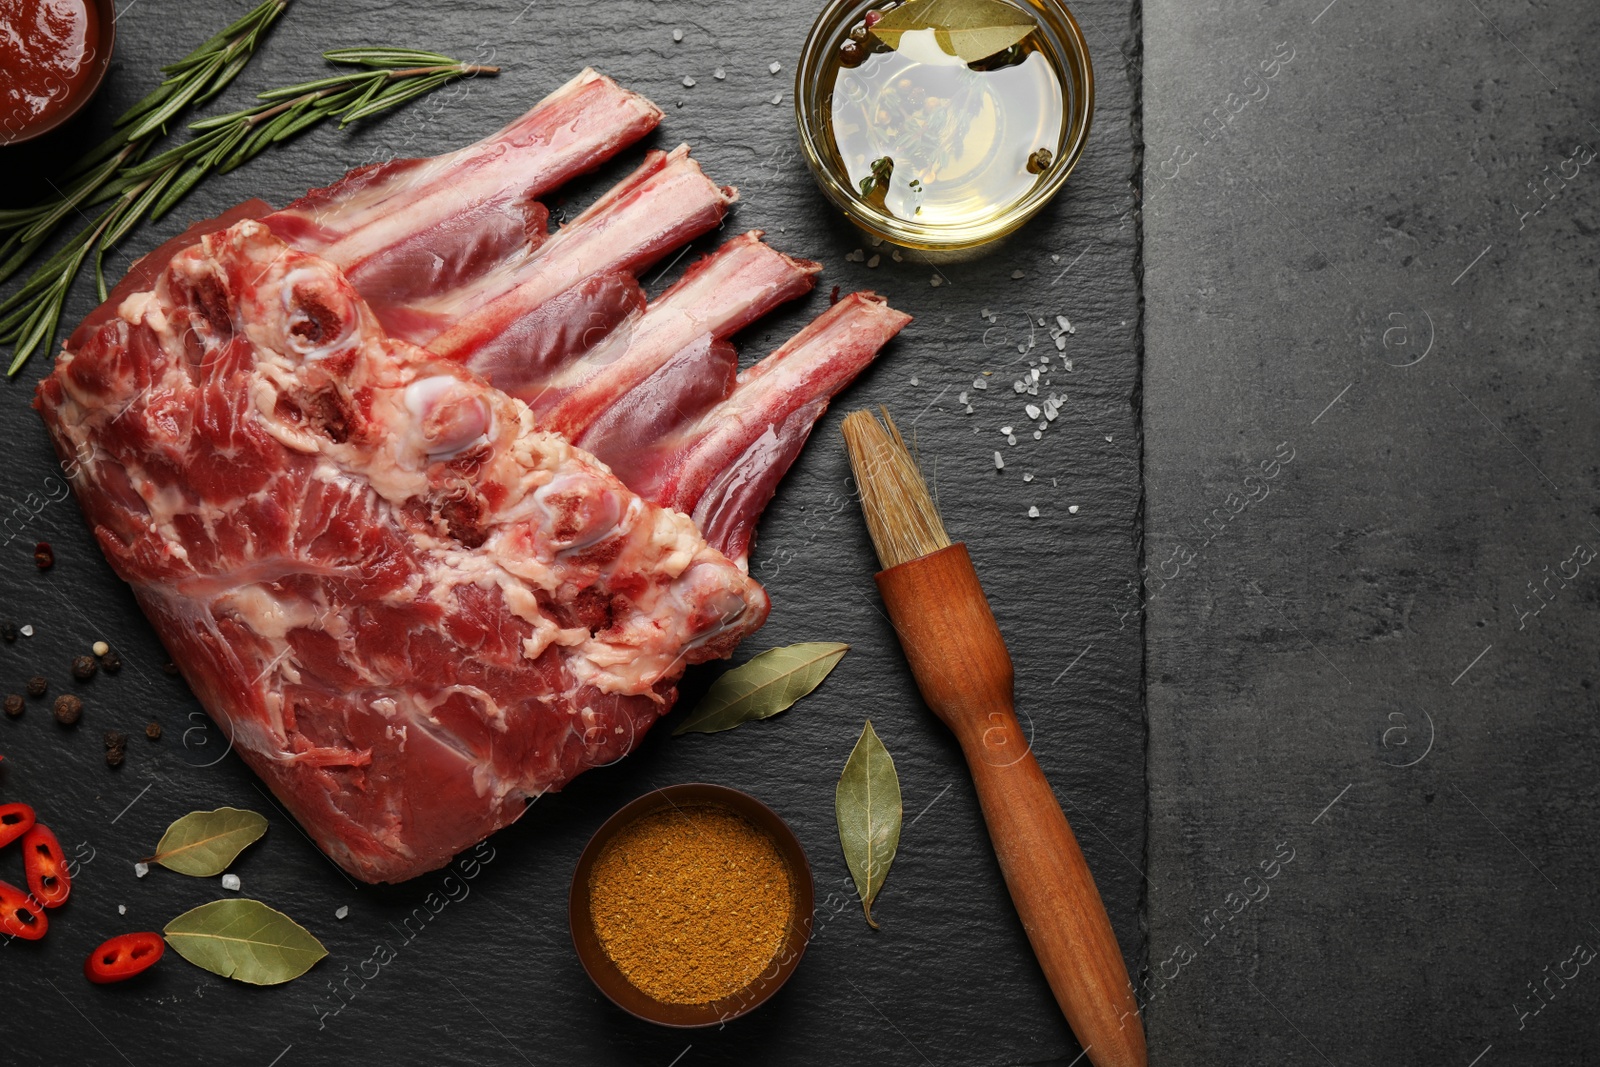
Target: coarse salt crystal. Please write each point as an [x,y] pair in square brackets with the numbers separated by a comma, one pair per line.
[999,462]
[1033,512]
[688,82]
[1035,373]
[1011,439]
[969,409]
[914,381]
[27,631]
[677,35]
[1027,477]
[777,98]
[1032,410]
[1061,342]
[874,261]
[1108,439]
[1061,321]
[230,881]
[1022,348]
[1073,509]
[896,256]
[719,74]
[983,314]
[774,67]
[141,869]
[935,281]
[341,911]
[1018,385]
[979,383]
[1038,435]
[1016,275]
[962,399]
[1005,429]
[122,909]
[1043,426]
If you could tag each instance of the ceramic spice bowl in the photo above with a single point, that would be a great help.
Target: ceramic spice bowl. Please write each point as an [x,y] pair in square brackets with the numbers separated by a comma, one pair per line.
[719,807]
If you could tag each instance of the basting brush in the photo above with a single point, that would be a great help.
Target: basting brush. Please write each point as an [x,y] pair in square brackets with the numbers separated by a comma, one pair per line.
[962,667]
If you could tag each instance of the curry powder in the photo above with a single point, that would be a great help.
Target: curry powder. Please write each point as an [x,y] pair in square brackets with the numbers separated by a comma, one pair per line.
[692,904]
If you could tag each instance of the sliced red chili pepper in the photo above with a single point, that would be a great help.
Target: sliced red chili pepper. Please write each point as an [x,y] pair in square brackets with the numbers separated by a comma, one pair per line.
[20,915]
[42,858]
[15,820]
[123,957]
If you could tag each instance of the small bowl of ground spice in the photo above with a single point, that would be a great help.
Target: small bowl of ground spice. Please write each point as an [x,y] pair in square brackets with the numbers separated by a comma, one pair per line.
[692,905]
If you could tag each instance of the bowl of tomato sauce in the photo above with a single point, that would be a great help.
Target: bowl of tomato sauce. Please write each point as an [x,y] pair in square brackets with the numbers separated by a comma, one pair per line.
[53,56]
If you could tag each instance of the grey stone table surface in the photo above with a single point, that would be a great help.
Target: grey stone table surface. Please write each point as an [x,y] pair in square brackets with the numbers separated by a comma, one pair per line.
[487,974]
[1371,477]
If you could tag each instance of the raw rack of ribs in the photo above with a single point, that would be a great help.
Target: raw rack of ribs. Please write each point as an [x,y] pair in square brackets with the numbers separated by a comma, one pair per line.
[432,507]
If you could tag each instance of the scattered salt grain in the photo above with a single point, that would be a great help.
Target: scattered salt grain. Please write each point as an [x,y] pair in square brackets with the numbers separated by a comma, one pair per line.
[688,82]
[1011,439]
[1027,477]
[1033,512]
[896,256]
[1022,347]
[936,281]
[342,911]
[969,409]
[979,383]
[999,462]
[719,74]
[1032,410]
[1108,438]
[1005,429]
[1061,321]
[1019,386]
[1073,510]
[230,881]
[777,98]
[774,67]
[1061,342]
[122,909]
[874,261]
[962,399]
[27,631]
[1038,435]
[915,381]
[141,869]
[983,314]
[677,35]
[1035,373]
[1016,275]
[100,648]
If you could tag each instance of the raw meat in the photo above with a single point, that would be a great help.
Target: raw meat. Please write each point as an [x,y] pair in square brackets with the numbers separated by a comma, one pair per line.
[409,608]
[433,507]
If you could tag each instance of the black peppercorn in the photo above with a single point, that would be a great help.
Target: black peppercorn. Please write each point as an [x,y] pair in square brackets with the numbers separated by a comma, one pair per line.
[8,631]
[83,667]
[116,739]
[115,756]
[37,686]
[68,709]
[111,663]
[13,705]
[153,731]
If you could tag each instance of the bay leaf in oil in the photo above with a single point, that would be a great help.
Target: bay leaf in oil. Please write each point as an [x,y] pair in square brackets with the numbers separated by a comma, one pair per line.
[769,683]
[866,805]
[244,940]
[203,843]
[972,30]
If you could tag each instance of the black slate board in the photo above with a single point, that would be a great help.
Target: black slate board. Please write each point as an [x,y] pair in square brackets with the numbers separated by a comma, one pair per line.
[492,977]
[1353,666]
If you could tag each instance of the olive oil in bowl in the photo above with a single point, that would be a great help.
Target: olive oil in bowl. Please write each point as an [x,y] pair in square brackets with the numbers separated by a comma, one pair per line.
[943,123]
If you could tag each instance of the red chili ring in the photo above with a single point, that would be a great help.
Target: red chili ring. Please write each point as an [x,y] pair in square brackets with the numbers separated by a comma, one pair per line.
[20,914]
[15,820]
[46,866]
[123,957]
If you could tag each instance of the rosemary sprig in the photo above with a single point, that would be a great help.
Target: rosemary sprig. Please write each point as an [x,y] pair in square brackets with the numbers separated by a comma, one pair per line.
[388,78]
[190,82]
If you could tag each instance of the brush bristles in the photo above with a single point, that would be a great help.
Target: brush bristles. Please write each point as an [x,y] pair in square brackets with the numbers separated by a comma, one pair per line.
[901,516]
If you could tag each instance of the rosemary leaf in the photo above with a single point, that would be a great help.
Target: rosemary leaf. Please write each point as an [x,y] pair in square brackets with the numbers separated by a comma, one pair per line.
[386,57]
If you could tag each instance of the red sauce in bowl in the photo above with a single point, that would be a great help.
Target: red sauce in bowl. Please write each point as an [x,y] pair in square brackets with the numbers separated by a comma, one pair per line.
[47,52]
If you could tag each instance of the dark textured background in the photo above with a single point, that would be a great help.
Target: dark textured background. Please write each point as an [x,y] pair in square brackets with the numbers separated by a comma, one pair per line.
[1343,265]
[493,979]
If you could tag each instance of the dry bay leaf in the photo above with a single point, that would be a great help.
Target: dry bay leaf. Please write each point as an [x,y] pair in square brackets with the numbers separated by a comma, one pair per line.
[769,683]
[203,843]
[866,805]
[245,940]
[973,30]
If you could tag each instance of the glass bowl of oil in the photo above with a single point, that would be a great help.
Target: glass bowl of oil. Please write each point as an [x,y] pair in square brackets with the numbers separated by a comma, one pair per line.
[922,140]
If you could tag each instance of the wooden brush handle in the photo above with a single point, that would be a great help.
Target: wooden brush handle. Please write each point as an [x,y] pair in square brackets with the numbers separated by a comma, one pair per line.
[962,667]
